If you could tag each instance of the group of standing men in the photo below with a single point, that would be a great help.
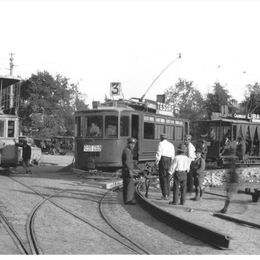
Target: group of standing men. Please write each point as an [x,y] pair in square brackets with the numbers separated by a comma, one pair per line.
[187,168]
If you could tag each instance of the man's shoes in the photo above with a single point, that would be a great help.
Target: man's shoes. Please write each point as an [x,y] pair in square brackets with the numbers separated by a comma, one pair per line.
[165,197]
[223,211]
[197,198]
[172,203]
[130,203]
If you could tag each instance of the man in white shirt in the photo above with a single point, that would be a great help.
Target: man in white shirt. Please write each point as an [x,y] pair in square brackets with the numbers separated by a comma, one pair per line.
[191,153]
[180,168]
[164,157]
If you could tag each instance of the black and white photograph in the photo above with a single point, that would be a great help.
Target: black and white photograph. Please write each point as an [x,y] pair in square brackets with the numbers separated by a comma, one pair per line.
[129,128]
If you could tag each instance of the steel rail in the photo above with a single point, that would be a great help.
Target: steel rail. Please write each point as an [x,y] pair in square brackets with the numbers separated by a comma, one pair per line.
[116,230]
[31,236]
[86,221]
[237,220]
[204,234]
[13,234]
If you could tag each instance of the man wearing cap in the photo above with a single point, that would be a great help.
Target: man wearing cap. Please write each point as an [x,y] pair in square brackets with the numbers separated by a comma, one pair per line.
[191,155]
[164,157]
[128,172]
[180,167]
[26,155]
[199,173]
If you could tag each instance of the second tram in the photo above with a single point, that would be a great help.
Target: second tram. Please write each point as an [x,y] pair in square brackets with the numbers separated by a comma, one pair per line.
[230,136]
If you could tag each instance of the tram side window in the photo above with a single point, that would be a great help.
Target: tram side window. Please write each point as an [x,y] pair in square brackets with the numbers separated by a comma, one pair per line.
[11,128]
[170,132]
[78,126]
[234,132]
[148,130]
[2,128]
[159,129]
[226,133]
[94,126]
[111,126]
[124,126]
[178,133]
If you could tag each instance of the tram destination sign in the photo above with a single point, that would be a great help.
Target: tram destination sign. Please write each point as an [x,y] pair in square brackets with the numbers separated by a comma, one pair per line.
[92,148]
[165,109]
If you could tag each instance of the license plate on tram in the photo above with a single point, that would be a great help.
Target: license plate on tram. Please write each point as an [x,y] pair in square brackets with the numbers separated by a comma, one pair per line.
[92,148]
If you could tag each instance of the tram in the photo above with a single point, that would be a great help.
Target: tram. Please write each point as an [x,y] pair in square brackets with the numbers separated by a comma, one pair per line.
[101,133]
[9,123]
[223,133]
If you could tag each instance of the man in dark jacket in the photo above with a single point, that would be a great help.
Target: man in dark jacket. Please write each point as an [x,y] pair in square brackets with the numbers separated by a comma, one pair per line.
[199,173]
[128,172]
[27,151]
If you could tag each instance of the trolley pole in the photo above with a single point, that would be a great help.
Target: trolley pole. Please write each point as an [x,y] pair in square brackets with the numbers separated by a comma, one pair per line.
[179,56]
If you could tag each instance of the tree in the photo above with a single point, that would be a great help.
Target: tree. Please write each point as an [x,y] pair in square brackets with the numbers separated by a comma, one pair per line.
[186,99]
[218,98]
[251,104]
[47,105]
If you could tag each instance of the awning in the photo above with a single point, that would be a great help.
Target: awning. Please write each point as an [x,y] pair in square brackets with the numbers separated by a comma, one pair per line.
[7,81]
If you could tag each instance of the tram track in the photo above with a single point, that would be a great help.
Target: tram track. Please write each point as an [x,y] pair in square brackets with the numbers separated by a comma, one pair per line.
[128,243]
[116,230]
[13,234]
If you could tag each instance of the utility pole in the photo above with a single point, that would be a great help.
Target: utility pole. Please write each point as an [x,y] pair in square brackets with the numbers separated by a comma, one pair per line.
[11,105]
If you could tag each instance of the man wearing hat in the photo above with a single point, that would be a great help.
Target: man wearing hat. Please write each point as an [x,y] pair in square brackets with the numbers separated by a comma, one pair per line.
[199,173]
[164,157]
[180,168]
[191,155]
[128,172]
[26,155]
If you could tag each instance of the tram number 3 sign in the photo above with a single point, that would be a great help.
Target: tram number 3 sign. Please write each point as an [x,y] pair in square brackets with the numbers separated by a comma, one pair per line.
[115,89]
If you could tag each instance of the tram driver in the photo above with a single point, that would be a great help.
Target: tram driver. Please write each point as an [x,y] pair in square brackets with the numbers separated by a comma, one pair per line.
[94,130]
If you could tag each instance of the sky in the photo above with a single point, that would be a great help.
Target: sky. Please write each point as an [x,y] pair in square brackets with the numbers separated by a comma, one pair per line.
[94,43]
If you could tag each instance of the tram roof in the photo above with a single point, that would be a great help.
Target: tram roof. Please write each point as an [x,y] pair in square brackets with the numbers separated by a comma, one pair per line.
[107,108]
[6,81]
[231,120]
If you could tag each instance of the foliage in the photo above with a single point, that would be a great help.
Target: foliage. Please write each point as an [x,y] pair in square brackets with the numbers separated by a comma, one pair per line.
[187,100]
[47,105]
[251,104]
[218,98]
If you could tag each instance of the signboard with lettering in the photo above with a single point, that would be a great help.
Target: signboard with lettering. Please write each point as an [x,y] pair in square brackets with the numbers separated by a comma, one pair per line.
[92,148]
[165,109]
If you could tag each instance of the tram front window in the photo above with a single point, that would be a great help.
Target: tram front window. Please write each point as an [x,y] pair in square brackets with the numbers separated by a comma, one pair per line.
[111,126]
[2,128]
[124,126]
[94,126]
